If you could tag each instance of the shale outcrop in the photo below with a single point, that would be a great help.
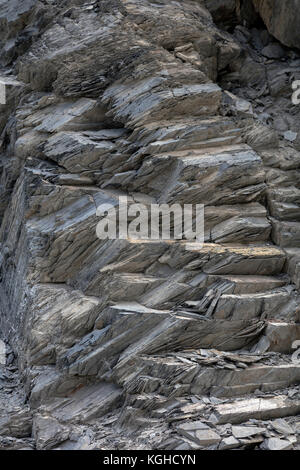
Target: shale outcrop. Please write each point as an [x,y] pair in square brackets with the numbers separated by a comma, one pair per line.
[135,343]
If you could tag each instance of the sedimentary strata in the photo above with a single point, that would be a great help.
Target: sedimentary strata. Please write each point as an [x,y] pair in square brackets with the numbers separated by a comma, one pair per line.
[149,344]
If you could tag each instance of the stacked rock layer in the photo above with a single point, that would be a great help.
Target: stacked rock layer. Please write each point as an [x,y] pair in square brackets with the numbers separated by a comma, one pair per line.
[148,343]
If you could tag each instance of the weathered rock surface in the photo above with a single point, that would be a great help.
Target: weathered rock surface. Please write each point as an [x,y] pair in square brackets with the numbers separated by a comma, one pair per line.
[282,19]
[139,343]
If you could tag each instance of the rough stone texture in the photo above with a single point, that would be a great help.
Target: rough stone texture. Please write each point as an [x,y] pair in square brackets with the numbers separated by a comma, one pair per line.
[282,19]
[137,343]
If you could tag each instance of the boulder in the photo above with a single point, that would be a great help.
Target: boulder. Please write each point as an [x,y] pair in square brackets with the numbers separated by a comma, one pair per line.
[282,19]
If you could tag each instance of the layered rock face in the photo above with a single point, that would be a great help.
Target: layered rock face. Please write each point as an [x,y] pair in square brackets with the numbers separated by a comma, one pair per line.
[135,343]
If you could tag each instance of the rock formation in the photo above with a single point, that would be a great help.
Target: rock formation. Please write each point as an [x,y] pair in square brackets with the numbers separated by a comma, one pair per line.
[282,19]
[149,344]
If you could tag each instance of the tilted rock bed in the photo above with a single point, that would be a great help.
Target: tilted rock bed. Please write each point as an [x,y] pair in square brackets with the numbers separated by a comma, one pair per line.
[149,344]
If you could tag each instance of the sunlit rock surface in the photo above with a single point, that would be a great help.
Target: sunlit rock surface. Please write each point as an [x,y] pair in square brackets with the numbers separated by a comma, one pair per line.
[149,344]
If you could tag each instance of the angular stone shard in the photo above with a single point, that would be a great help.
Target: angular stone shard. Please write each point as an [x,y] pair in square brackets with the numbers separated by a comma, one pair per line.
[242,432]
[229,443]
[274,443]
